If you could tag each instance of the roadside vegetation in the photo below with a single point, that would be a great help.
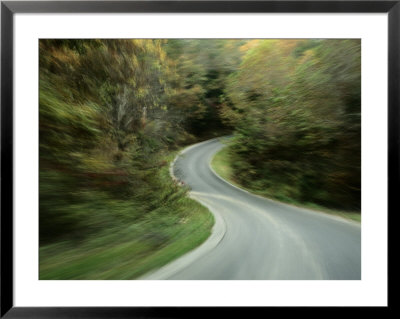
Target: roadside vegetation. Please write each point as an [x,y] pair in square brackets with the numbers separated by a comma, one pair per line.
[124,239]
[114,113]
[222,164]
[296,111]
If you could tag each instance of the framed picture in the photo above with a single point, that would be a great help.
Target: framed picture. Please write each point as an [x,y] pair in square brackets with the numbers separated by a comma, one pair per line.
[177,158]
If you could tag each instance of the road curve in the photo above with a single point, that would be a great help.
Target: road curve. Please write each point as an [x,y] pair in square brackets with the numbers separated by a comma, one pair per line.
[263,239]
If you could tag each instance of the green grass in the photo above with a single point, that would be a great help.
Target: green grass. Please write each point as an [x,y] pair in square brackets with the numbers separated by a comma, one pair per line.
[170,229]
[222,166]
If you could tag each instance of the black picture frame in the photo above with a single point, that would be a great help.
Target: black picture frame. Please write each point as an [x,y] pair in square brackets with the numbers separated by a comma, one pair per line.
[9,8]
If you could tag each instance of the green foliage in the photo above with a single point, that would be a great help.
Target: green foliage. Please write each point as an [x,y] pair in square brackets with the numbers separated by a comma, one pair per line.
[296,111]
[128,237]
[202,70]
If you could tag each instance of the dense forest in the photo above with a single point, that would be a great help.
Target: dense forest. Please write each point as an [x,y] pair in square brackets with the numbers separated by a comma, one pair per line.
[114,113]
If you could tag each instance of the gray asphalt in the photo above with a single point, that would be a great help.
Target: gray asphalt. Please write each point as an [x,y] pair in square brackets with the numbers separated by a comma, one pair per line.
[265,239]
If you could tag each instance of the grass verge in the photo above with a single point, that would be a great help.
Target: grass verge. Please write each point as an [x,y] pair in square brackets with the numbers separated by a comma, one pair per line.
[169,228]
[222,166]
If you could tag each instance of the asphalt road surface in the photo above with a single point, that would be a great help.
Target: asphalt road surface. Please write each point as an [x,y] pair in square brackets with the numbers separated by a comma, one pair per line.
[257,238]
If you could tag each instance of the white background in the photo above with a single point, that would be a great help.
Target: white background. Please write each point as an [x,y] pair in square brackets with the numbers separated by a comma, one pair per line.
[370,291]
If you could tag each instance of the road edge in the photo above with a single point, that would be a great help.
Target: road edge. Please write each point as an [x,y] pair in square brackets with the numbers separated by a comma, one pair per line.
[217,233]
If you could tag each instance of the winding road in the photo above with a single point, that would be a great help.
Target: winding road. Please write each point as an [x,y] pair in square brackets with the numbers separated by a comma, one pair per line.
[257,238]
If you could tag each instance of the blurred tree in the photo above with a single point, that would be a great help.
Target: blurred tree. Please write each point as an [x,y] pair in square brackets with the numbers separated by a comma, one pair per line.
[104,122]
[295,105]
[202,69]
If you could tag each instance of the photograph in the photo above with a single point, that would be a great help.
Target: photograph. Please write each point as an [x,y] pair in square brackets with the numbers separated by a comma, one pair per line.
[199,159]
